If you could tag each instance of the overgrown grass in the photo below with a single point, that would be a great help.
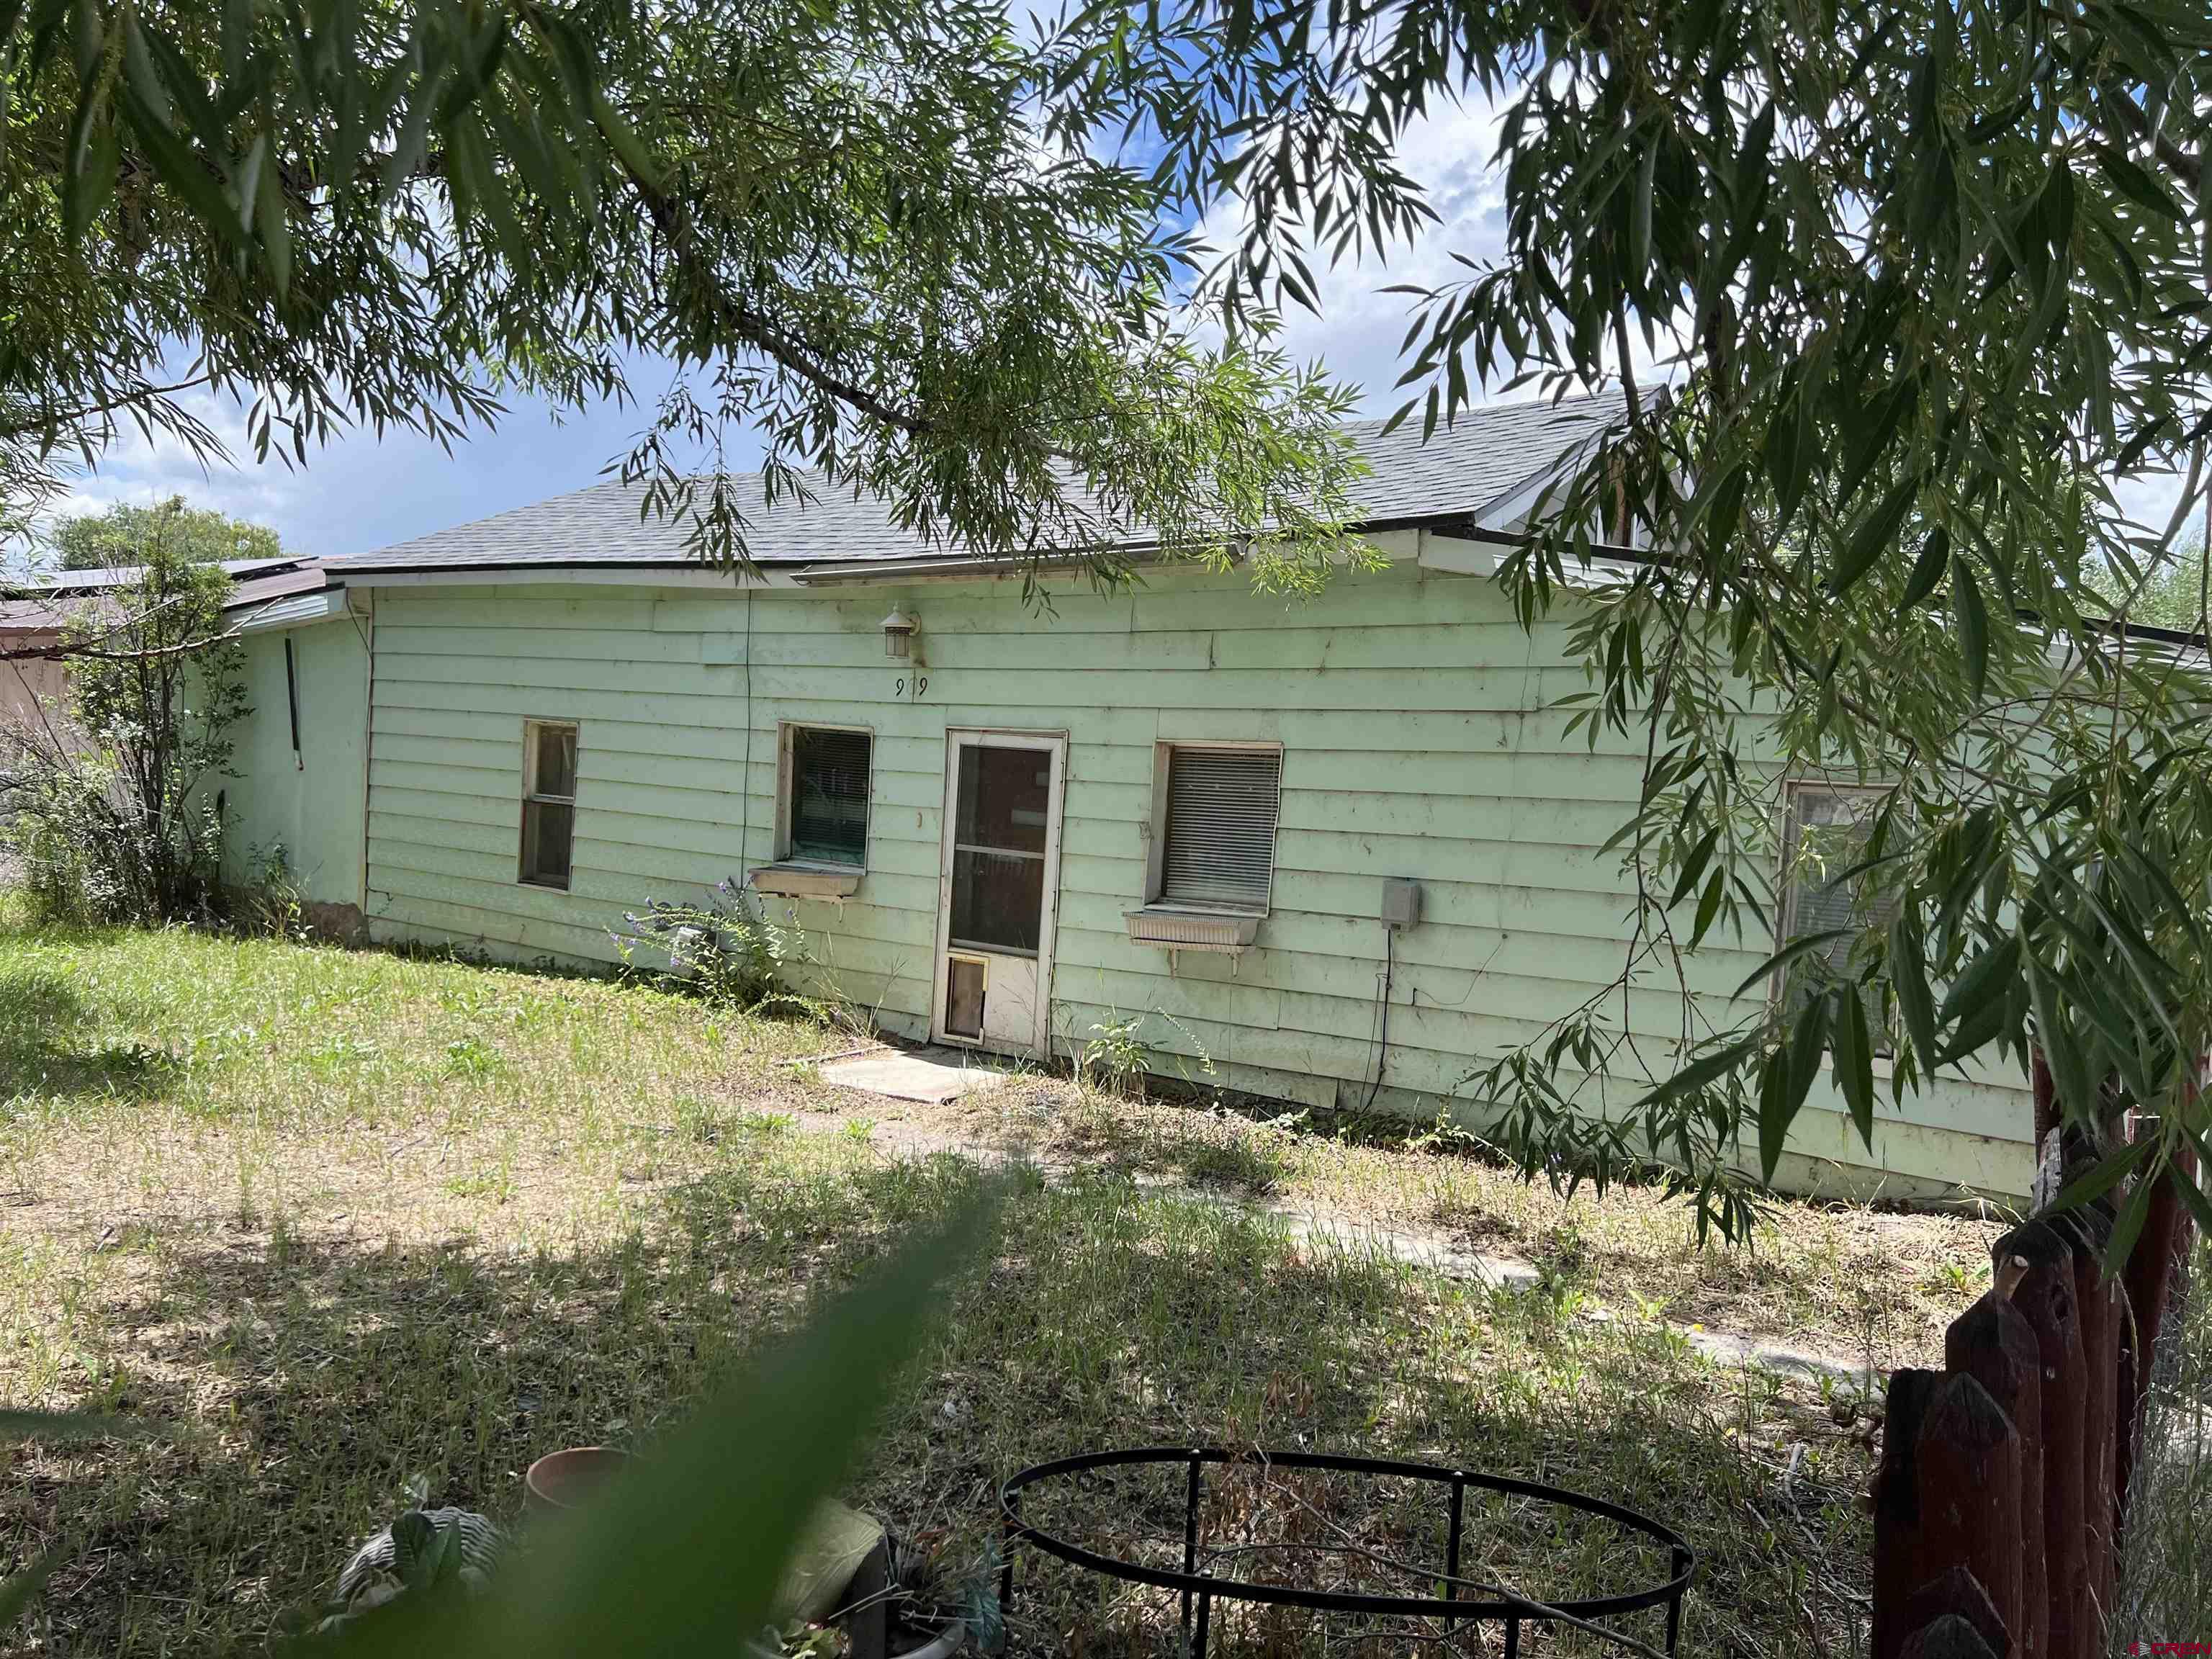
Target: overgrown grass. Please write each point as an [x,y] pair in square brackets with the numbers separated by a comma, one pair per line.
[2166,1595]
[1872,1286]
[330,1220]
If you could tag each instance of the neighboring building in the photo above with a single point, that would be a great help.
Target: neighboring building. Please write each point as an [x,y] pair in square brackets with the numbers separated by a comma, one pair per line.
[303,758]
[27,685]
[41,610]
[1184,801]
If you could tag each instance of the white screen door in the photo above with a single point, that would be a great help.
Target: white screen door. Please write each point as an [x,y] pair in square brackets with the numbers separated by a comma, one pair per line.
[999,893]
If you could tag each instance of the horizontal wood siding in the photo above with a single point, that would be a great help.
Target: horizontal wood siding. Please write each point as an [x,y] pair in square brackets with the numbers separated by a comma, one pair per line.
[1420,738]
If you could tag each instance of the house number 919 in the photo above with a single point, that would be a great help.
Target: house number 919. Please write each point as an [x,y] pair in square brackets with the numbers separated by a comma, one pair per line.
[920,686]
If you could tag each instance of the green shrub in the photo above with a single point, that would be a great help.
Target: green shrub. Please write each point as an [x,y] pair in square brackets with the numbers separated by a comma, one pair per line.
[721,947]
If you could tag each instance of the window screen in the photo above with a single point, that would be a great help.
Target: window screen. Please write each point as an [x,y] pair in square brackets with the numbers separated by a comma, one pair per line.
[1002,803]
[829,806]
[1825,837]
[1221,813]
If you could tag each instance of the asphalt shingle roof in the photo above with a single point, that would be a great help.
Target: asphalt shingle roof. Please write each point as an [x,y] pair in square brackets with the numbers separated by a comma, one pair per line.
[1489,453]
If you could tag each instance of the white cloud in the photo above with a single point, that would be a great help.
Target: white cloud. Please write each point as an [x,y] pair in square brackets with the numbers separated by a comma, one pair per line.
[1359,328]
[363,490]
[140,471]
[2150,501]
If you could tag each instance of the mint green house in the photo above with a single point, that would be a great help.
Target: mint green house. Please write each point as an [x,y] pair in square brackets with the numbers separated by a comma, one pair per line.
[1341,850]
[303,754]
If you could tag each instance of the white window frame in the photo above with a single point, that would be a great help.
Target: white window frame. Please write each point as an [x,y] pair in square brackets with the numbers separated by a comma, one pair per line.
[1053,745]
[786,777]
[533,796]
[1155,854]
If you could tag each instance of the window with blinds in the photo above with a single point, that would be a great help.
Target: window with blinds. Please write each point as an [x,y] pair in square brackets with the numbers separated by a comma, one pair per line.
[1825,836]
[1219,831]
[826,809]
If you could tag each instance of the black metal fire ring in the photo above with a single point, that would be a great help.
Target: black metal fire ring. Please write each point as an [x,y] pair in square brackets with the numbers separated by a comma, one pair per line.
[1202,1589]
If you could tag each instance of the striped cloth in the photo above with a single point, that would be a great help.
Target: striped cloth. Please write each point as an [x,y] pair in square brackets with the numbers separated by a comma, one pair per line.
[377,1566]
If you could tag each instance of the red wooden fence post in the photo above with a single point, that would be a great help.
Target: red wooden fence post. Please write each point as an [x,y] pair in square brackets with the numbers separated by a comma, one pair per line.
[2045,1298]
[1958,1594]
[1949,1637]
[2099,1301]
[1969,1504]
[1898,1564]
[1993,1343]
[2004,1484]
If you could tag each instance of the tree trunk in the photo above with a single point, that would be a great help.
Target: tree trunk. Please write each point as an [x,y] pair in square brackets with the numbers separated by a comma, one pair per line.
[2148,1279]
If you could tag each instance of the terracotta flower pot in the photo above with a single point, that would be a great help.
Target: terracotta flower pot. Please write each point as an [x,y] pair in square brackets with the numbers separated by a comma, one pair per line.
[566,1480]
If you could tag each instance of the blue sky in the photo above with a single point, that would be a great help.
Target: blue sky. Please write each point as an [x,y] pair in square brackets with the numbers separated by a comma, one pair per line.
[362,491]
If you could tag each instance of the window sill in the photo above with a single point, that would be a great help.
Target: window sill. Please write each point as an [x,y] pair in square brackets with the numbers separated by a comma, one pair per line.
[1181,927]
[799,879]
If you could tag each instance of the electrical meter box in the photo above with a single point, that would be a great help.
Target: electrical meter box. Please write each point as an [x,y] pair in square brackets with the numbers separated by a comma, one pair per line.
[1401,900]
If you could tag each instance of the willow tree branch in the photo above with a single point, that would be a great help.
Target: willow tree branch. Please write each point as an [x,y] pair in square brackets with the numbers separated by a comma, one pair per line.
[2187,168]
[92,647]
[49,421]
[64,651]
[735,318]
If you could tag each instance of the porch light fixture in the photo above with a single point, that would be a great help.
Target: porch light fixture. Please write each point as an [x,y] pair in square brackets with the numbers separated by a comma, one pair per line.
[898,633]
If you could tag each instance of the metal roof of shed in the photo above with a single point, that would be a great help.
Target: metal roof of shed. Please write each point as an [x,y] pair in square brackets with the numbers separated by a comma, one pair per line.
[49,605]
[122,575]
